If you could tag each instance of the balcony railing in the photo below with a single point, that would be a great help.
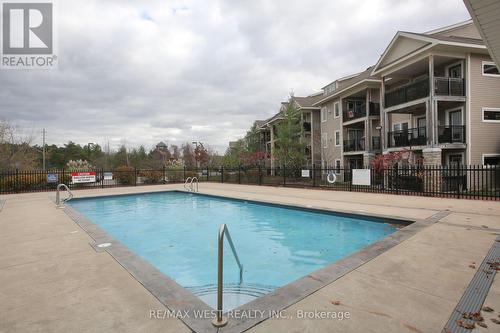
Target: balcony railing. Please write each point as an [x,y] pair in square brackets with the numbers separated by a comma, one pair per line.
[376,143]
[374,109]
[307,126]
[443,86]
[451,134]
[407,93]
[406,138]
[354,145]
[449,86]
[358,111]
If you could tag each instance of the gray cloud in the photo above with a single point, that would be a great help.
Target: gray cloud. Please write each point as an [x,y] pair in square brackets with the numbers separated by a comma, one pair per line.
[181,71]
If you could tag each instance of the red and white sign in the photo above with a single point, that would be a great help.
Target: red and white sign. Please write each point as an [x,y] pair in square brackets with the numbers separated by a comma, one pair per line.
[83,177]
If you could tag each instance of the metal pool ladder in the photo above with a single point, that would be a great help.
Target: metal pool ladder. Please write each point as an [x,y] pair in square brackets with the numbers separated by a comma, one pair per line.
[58,195]
[220,321]
[189,184]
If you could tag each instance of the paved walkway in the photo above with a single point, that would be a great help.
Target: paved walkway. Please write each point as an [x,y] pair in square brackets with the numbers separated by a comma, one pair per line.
[52,280]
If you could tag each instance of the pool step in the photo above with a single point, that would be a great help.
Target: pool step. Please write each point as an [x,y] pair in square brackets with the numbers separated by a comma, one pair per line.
[234,294]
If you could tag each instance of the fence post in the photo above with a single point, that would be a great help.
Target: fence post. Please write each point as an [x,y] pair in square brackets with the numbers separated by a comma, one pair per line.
[350,179]
[184,174]
[313,172]
[284,176]
[17,180]
[222,174]
[208,173]
[260,175]
[239,174]
[102,177]
[135,175]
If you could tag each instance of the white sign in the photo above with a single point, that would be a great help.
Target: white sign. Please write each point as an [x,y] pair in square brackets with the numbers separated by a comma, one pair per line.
[83,177]
[361,177]
[305,173]
[108,176]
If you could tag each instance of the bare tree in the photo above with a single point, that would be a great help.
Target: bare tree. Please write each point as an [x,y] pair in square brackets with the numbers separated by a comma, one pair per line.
[16,151]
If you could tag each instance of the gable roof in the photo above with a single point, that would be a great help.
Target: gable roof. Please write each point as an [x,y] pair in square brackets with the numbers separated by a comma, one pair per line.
[348,83]
[421,42]
[308,101]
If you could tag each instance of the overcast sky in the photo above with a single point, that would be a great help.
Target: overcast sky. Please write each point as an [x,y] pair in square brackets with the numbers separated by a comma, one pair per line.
[146,71]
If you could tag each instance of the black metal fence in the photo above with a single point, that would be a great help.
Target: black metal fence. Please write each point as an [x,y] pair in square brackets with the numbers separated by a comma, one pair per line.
[470,182]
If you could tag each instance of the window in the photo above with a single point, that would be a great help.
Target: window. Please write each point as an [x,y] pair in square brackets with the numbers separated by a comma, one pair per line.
[337,138]
[491,159]
[490,69]
[491,115]
[323,114]
[336,107]
[324,140]
[400,127]
[337,167]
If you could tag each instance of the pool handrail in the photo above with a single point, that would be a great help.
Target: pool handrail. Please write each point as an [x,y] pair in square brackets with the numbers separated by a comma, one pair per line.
[58,195]
[191,184]
[186,183]
[219,320]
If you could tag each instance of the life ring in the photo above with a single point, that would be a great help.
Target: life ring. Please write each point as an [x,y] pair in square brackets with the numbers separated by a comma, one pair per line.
[331,178]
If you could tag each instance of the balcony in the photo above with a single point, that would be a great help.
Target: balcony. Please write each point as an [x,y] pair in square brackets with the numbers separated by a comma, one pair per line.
[449,86]
[354,145]
[407,138]
[451,134]
[407,93]
[359,111]
[443,86]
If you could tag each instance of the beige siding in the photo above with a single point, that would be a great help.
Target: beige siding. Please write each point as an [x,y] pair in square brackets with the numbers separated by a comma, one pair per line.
[485,92]
[469,31]
[332,124]
[402,47]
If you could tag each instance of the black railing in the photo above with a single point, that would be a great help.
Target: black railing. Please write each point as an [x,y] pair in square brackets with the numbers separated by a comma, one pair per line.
[443,86]
[456,181]
[376,145]
[449,86]
[374,109]
[407,138]
[307,126]
[358,111]
[451,134]
[407,93]
[354,145]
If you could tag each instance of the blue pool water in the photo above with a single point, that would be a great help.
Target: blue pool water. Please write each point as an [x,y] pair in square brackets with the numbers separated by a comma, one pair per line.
[177,233]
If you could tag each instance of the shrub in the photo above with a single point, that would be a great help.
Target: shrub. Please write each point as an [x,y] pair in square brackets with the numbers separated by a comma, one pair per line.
[125,175]
[151,176]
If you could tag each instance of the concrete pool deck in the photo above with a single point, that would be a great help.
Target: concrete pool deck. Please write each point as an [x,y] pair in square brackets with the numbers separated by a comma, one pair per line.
[52,280]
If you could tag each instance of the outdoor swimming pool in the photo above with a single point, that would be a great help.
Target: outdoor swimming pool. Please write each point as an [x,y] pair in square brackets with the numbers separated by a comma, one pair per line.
[177,233]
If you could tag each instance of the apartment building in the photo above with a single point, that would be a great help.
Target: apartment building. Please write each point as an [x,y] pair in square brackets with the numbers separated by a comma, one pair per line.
[310,133]
[350,119]
[436,94]
[440,96]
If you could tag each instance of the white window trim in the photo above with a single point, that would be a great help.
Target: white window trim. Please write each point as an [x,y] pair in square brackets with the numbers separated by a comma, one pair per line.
[335,138]
[487,155]
[489,109]
[324,114]
[325,142]
[334,108]
[488,63]
[335,166]
[447,68]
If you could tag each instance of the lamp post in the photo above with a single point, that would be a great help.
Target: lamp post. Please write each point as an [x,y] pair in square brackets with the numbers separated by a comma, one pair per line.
[379,128]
